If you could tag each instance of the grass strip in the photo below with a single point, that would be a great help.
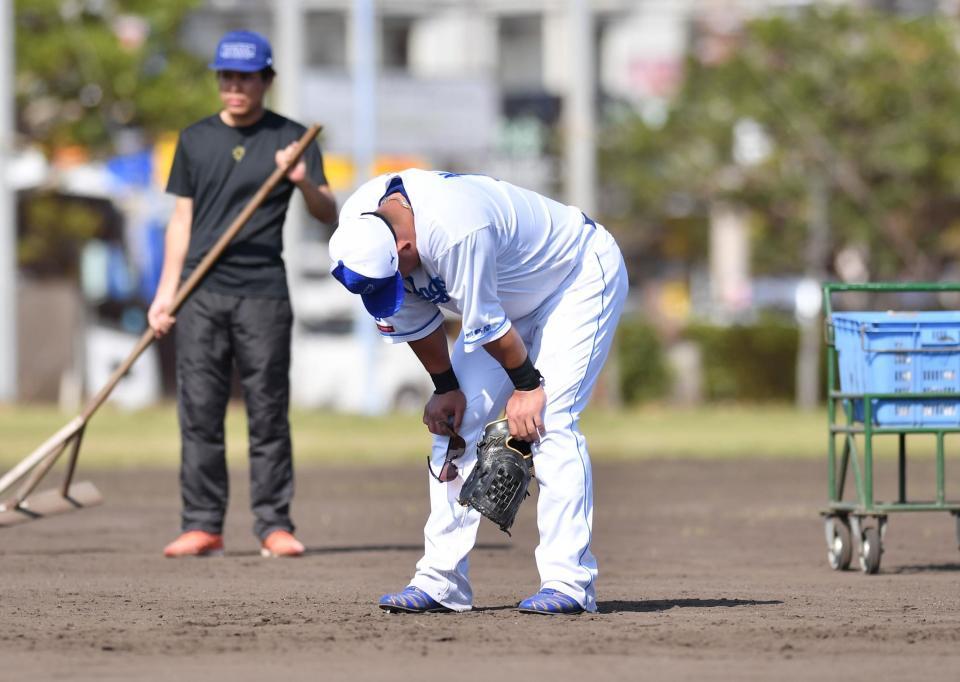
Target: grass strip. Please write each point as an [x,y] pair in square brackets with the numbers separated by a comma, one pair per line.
[117,439]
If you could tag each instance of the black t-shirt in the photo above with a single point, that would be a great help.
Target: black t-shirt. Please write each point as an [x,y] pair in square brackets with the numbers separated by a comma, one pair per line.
[221,168]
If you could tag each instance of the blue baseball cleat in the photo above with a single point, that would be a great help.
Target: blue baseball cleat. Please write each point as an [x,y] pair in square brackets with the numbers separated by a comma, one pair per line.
[550,602]
[411,600]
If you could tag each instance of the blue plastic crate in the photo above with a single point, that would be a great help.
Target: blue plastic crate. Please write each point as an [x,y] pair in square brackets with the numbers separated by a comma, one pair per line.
[901,352]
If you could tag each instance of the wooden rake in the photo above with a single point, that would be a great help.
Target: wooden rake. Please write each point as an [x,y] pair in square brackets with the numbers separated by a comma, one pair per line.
[25,506]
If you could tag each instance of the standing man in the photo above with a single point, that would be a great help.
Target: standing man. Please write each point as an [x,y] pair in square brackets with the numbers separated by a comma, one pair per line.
[240,314]
[540,288]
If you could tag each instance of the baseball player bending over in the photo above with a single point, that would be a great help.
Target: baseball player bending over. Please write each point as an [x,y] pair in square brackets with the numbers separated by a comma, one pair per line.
[540,288]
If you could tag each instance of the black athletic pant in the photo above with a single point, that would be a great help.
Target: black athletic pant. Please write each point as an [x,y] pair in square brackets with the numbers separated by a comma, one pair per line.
[213,332]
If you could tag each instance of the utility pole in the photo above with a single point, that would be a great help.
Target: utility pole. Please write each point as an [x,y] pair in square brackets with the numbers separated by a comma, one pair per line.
[8,211]
[808,309]
[581,143]
[289,22]
[581,147]
[364,50]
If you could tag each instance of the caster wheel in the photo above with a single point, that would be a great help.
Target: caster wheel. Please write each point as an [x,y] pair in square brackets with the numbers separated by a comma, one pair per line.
[839,543]
[870,550]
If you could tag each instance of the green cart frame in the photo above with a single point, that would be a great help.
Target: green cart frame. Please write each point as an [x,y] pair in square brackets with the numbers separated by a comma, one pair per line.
[866,519]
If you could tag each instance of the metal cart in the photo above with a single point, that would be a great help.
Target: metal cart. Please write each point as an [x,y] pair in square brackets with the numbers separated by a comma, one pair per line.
[899,375]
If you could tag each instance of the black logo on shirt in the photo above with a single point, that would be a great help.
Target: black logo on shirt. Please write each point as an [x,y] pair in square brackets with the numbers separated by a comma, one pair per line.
[435,291]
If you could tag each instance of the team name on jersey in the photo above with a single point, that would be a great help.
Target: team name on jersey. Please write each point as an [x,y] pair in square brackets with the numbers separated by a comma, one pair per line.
[435,291]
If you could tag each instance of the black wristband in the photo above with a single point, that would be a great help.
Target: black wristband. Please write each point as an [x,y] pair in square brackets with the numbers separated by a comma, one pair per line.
[444,382]
[525,377]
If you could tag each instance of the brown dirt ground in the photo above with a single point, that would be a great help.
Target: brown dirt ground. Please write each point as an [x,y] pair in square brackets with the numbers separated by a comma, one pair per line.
[709,570]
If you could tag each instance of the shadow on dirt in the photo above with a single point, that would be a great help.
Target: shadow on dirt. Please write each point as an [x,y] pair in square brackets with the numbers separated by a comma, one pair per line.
[61,552]
[666,604]
[488,609]
[356,549]
[926,568]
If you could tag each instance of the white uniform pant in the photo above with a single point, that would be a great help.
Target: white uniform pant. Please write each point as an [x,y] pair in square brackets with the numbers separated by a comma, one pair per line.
[568,339]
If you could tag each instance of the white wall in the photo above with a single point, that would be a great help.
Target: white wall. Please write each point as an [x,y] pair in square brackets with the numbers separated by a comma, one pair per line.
[454,43]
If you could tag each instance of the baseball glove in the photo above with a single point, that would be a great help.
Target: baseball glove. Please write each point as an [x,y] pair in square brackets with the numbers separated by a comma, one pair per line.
[498,483]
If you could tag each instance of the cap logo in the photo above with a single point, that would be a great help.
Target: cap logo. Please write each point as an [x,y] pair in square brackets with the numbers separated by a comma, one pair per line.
[238,51]
[369,289]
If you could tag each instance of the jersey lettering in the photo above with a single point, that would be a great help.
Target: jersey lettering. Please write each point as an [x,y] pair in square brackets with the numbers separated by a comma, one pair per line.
[435,291]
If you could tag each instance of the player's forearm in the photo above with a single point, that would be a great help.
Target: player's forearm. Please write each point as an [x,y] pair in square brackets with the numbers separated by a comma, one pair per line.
[320,201]
[509,350]
[432,351]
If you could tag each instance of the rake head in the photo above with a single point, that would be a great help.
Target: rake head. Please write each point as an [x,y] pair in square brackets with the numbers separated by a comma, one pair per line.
[51,503]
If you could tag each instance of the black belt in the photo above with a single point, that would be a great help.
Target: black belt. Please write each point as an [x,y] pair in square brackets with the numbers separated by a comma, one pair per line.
[587,220]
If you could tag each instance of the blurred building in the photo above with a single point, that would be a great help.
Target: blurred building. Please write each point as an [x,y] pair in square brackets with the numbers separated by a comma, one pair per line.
[469,84]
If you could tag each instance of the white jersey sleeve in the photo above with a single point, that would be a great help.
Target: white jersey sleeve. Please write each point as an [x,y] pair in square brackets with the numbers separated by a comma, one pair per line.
[469,268]
[416,319]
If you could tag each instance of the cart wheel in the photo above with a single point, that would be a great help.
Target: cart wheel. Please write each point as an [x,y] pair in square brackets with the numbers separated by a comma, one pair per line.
[870,550]
[839,543]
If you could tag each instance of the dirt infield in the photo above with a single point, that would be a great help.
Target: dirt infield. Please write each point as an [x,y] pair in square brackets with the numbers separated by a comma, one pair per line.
[709,570]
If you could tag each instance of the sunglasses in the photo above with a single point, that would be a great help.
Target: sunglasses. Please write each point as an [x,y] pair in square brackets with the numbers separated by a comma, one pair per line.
[455,448]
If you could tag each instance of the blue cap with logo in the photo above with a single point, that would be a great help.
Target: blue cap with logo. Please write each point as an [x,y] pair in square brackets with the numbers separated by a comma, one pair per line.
[243,51]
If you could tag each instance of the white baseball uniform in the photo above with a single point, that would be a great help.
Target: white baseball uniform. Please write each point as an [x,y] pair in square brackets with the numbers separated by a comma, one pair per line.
[501,256]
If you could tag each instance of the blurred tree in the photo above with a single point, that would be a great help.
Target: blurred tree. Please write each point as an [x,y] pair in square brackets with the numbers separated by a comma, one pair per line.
[862,104]
[89,68]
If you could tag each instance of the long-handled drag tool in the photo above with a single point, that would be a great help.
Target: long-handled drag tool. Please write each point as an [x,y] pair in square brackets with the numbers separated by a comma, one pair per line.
[22,506]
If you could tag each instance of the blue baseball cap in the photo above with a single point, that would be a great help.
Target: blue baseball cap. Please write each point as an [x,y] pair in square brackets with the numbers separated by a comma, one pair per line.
[243,51]
[363,258]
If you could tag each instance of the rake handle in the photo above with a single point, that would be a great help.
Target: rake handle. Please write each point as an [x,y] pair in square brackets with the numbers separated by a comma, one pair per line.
[48,446]
[72,462]
[35,477]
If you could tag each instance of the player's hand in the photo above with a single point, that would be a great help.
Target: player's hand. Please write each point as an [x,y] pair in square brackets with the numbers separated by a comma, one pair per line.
[159,317]
[443,411]
[298,173]
[525,414]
